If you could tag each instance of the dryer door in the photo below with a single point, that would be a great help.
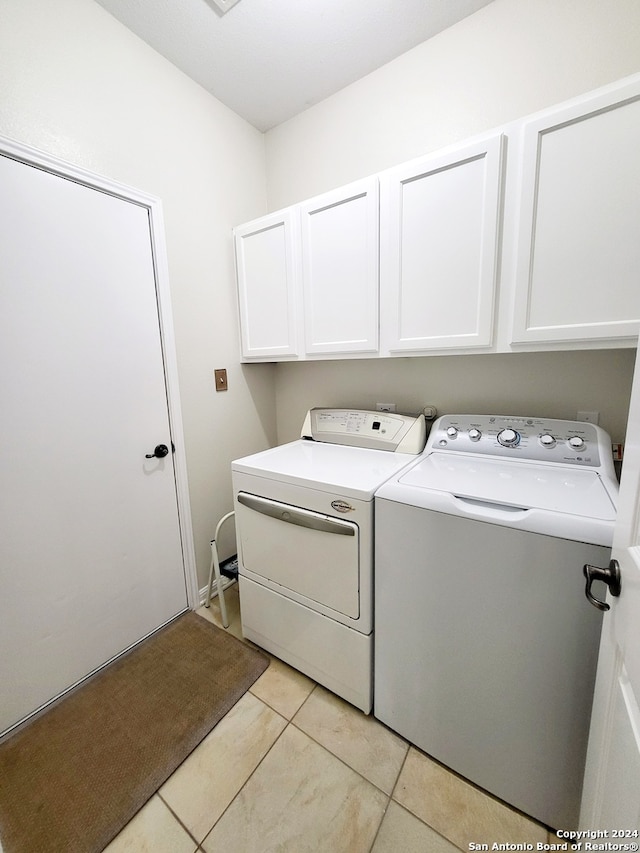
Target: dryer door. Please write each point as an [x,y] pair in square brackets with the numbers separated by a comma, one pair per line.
[312,556]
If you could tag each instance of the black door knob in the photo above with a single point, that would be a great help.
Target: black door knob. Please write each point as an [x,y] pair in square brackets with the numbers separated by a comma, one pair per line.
[160,452]
[610,576]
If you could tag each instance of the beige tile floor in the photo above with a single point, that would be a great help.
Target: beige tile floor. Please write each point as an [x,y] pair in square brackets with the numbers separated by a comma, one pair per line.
[294,768]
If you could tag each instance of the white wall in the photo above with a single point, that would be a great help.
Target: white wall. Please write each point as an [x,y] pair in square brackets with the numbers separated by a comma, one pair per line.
[78,85]
[508,60]
[546,384]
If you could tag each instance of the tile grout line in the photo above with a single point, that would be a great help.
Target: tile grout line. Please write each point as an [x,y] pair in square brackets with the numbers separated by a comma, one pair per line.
[391,796]
[472,785]
[171,811]
[246,781]
[290,722]
[384,814]
[390,799]
[342,761]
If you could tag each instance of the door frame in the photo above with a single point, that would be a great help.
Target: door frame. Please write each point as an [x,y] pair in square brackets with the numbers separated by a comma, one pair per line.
[41,160]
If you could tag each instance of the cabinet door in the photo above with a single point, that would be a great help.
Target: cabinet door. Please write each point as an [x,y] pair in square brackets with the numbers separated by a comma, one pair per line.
[340,270]
[578,253]
[439,220]
[267,269]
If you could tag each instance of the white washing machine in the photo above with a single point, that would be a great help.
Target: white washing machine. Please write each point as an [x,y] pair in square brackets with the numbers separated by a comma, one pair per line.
[485,644]
[304,527]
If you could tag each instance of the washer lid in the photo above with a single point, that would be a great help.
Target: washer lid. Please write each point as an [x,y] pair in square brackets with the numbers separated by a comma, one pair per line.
[526,485]
[353,471]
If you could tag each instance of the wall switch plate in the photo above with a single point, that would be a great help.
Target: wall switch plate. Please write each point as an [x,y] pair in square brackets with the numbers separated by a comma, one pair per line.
[221,379]
[588,417]
[385,407]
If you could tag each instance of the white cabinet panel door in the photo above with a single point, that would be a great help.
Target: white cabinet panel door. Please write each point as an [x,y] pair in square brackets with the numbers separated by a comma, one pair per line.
[578,257]
[91,557]
[340,270]
[268,273]
[439,225]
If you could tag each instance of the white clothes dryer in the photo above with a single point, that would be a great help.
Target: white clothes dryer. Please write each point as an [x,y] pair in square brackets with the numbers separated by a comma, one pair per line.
[304,527]
[485,645]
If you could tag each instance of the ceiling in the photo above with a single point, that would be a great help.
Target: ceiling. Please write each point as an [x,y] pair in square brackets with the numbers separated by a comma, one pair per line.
[268,60]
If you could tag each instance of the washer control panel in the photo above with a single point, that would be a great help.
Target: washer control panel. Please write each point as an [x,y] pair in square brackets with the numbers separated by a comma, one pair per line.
[534,439]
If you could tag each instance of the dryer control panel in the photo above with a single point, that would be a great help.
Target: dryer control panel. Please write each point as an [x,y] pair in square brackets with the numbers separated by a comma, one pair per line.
[362,428]
[534,439]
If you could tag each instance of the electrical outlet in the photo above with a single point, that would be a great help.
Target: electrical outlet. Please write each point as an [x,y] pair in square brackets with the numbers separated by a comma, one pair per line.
[385,407]
[588,417]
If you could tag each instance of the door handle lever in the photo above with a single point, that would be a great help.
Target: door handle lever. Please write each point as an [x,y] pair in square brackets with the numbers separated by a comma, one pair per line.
[610,576]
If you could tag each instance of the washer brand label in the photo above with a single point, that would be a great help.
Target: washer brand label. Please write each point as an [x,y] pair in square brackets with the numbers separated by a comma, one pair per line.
[342,506]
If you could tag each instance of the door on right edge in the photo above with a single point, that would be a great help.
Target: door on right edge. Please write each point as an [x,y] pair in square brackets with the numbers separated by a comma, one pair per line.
[611,798]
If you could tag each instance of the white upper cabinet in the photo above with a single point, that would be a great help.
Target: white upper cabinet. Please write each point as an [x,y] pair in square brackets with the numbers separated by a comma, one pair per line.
[268,274]
[339,232]
[439,225]
[578,246]
[408,262]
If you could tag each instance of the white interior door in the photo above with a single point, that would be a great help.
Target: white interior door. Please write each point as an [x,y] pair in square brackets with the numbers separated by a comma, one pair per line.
[91,557]
[611,798]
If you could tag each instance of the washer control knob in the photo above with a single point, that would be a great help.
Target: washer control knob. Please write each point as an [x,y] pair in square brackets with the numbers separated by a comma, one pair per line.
[452,432]
[577,443]
[508,437]
[547,440]
[475,434]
